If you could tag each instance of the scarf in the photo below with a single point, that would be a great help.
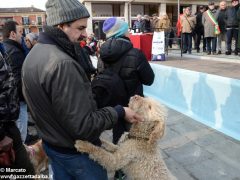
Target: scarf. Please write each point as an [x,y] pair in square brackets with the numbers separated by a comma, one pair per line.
[72,49]
[214,22]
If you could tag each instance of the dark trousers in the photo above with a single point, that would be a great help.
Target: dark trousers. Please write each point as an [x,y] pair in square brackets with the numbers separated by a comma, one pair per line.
[180,41]
[211,44]
[167,35]
[74,166]
[22,159]
[199,37]
[187,42]
[232,33]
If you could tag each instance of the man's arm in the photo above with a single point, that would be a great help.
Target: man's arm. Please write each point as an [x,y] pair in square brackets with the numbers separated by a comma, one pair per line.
[74,106]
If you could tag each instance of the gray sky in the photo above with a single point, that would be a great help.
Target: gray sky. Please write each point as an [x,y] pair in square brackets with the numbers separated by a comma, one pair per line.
[23,3]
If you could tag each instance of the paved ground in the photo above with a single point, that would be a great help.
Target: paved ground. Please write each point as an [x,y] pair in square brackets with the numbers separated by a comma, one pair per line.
[219,65]
[193,151]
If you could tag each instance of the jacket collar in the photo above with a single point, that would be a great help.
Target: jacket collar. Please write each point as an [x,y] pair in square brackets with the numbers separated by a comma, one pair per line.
[13,43]
[44,38]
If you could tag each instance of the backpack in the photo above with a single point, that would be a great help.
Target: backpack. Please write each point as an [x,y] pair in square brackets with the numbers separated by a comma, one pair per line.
[9,100]
[108,87]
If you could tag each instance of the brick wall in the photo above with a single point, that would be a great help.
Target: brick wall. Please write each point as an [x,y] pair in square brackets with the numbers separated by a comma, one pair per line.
[18,19]
[32,19]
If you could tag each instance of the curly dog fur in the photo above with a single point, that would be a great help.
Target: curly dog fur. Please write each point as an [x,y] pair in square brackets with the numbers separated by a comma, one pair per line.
[37,156]
[136,153]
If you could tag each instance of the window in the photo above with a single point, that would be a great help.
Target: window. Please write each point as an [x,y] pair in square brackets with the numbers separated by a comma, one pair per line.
[153,9]
[137,9]
[39,20]
[25,20]
[122,10]
[40,29]
[102,10]
[4,19]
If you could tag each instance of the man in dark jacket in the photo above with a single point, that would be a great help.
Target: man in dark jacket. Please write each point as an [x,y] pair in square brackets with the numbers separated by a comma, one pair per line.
[59,94]
[9,112]
[232,26]
[12,36]
[135,69]
[222,26]
[137,24]
[199,30]
[146,24]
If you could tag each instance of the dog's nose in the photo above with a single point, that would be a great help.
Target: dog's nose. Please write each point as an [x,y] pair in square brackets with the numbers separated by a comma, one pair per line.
[136,97]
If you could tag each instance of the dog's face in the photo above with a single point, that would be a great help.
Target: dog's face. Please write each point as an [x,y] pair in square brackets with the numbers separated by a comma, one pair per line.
[153,113]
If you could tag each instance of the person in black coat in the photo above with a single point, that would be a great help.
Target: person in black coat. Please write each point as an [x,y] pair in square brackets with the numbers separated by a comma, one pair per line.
[199,30]
[135,70]
[12,46]
[146,24]
[222,26]
[12,38]
[9,97]
[232,26]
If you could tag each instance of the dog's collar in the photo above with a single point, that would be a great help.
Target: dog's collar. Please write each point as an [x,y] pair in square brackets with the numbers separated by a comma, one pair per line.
[138,138]
[144,135]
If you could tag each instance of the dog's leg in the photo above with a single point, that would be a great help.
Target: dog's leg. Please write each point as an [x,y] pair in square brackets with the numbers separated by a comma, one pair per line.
[109,146]
[43,165]
[112,147]
[123,138]
[111,161]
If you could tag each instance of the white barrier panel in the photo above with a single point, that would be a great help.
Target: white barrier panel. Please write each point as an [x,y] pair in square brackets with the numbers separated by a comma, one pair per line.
[158,46]
[210,99]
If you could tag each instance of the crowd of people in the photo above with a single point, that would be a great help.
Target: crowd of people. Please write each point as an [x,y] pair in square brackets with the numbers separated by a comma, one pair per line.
[213,26]
[147,24]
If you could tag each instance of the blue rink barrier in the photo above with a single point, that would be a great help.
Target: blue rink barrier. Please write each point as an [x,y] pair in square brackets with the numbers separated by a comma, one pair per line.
[210,99]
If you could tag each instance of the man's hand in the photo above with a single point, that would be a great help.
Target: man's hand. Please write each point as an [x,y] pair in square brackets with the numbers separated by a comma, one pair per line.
[131,116]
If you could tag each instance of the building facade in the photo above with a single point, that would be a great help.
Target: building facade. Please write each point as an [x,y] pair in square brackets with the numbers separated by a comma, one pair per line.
[31,18]
[128,10]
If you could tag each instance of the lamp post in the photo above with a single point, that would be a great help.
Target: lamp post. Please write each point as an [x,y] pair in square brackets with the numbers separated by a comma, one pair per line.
[178,8]
[130,13]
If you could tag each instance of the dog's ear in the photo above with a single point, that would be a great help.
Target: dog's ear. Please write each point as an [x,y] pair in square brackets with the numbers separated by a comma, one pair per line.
[157,133]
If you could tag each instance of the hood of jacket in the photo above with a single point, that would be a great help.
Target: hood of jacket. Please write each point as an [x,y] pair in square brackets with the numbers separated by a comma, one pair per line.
[114,48]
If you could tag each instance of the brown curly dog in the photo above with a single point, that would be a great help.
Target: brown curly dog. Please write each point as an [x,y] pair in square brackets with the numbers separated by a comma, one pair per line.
[137,153]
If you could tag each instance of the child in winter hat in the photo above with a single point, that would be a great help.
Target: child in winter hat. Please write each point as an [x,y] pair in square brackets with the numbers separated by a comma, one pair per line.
[115,27]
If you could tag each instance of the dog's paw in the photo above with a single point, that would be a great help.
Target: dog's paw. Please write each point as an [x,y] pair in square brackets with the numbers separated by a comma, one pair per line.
[84,146]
